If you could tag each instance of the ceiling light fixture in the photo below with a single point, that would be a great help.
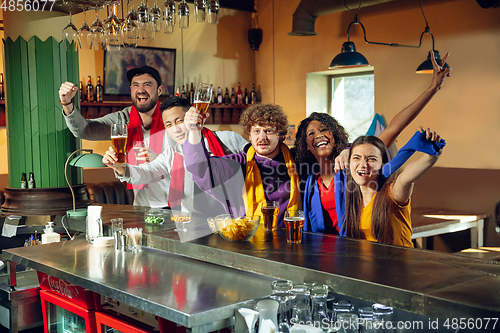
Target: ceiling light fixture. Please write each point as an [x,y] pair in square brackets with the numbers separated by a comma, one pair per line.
[350,58]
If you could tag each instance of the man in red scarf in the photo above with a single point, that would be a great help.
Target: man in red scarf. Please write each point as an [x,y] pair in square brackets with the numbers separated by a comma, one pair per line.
[145,126]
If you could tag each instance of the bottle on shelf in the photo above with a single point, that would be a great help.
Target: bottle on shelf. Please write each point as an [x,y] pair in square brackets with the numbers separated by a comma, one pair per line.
[233,97]
[212,101]
[2,87]
[82,93]
[253,95]
[219,96]
[191,94]
[99,90]
[239,95]
[227,99]
[183,94]
[31,180]
[245,97]
[24,182]
[178,92]
[90,91]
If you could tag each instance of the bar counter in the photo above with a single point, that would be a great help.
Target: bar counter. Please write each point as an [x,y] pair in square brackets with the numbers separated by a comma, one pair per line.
[225,274]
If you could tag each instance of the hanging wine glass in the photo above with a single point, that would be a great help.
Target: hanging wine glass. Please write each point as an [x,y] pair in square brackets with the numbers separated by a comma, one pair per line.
[70,33]
[213,11]
[169,17]
[84,33]
[112,30]
[130,29]
[200,8]
[155,15]
[144,22]
[183,11]
[97,29]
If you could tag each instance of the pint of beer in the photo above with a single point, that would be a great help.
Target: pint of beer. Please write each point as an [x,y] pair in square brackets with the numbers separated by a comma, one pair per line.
[119,141]
[294,223]
[202,98]
[270,211]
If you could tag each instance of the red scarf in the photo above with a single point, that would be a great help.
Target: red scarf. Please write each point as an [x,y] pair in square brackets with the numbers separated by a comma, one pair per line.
[177,175]
[213,142]
[135,135]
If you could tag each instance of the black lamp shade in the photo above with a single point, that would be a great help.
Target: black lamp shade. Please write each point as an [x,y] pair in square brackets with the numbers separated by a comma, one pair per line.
[348,57]
[426,66]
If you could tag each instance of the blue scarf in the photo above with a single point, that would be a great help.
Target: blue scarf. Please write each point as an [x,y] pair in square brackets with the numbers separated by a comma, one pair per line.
[312,201]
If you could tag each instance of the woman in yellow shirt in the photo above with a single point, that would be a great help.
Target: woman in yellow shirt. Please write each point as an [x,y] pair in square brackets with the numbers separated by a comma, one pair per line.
[378,209]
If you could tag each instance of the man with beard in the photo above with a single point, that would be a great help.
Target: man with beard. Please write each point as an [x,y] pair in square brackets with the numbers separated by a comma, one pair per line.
[145,127]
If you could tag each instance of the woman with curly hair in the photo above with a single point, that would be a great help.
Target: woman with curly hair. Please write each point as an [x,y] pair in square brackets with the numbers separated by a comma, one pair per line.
[321,139]
[266,171]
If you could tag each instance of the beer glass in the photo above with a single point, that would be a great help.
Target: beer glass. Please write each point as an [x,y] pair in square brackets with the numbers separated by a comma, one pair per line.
[294,222]
[119,142]
[270,210]
[202,98]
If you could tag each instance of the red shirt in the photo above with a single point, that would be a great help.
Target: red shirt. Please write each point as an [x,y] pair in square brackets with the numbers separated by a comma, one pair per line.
[328,203]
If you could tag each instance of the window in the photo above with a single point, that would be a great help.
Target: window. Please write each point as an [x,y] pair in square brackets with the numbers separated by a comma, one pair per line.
[352,102]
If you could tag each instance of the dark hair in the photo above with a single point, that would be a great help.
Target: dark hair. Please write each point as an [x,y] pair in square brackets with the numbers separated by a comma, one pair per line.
[382,207]
[303,155]
[175,101]
[265,115]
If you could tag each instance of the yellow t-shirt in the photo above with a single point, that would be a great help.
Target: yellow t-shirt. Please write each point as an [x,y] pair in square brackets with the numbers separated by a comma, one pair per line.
[400,220]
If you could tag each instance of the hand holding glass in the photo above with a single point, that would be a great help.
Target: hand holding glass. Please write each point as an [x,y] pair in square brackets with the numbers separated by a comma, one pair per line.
[202,98]
[119,142]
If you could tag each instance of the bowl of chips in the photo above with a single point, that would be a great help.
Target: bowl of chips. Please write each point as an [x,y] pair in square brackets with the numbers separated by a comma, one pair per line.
[234,229]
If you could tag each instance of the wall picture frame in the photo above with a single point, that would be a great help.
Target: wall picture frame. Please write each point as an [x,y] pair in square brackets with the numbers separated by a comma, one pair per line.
[117,63]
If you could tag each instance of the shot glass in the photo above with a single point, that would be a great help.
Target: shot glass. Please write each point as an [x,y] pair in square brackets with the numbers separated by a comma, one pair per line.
[270,210]
[116,225]
[294,223]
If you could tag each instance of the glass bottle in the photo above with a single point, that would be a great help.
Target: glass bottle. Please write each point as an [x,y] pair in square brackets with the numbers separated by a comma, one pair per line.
[245,97]
[226,97]
[24,182]
[253,95]
[239,95]
[82,92]
[183,94]
[219,96]
[233,97]
[31,180]
[99,89]
[191,94]
[90,91]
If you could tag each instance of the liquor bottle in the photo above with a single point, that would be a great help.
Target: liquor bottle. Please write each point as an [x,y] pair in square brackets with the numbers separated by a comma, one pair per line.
[82,93]
[239,95]
[191,94]
[212,101]
[219,96]
[245,97]
[178,92]
[99,90]
[227,99]
[31,180]
[183,95]
[24,183]
[90,91]
[233,97]
[253,95]
[2,88]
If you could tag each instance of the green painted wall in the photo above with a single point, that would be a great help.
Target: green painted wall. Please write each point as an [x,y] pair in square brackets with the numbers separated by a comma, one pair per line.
[38,138]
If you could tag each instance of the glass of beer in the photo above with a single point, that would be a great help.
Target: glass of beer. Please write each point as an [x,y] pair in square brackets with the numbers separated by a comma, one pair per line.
[119,141]
[270,210]
[202,98]
[294,222]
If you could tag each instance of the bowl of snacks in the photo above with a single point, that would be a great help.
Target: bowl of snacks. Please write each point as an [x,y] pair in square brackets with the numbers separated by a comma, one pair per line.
[234,229]
[154,216]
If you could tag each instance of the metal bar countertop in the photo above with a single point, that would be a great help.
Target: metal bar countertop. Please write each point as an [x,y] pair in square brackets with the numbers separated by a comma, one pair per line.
[420,281]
